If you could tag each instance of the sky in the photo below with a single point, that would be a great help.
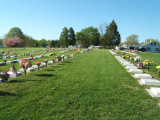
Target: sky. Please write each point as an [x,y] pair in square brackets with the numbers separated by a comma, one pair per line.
[46,18]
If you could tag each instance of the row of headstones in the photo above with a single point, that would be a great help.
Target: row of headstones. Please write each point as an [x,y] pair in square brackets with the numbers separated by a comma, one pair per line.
[33,67]
[145,79]
[15,61]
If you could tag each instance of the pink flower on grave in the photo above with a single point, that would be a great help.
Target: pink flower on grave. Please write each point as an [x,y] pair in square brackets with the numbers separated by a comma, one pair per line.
[38,63]
[21,64]
[24,60]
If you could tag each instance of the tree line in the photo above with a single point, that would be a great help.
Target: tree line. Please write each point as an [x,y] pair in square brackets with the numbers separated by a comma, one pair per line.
[86,37]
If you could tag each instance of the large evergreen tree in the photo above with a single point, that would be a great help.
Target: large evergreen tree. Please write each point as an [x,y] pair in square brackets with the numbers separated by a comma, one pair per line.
[112,36]
[64,37]
[71,35]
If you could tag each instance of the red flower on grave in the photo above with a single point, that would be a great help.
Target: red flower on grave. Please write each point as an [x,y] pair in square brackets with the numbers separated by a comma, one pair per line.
[5,72]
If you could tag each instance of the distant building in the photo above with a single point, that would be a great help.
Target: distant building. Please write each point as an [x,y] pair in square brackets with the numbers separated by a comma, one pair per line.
[95,47]
[150,46]
[1,46]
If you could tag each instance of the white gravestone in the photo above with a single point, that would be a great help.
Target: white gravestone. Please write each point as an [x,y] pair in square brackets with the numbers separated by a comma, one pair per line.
[147,76]
[135,71]
[154,92]
[149,82]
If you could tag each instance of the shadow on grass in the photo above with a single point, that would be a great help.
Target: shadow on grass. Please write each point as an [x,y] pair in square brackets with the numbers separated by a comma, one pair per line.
[6,93]
[67,62]
[15,81]
[44,75]
[61,64]
[56,66]
[49,70]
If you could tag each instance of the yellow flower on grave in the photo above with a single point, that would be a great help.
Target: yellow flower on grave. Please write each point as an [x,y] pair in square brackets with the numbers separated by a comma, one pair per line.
[158,67]
[148,62]
[124,56]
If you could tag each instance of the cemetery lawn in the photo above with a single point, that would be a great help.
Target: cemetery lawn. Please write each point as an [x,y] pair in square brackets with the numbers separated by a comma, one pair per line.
[90,86]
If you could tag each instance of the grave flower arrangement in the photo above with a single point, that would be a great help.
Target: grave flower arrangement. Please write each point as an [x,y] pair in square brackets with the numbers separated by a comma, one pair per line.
[122,53]
[15,54]
[2,52]
[137,59]
[38,64]
[158,67]
[124,56]
[5,60]
[62,56]
[15,58]
[140,64]
[147,63]
[8,52]
[53,60]
[51,54]
[25,64]
[32,56]
[59,58]
[4,76]
[24,54]
[1,56]
[42,56]
[8,56]
[46,61]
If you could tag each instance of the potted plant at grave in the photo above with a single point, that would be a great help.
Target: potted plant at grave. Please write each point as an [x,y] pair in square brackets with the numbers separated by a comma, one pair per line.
[46,61]
[53,60]
[4,76]
[148,63]
[24,54]
[38,64]
[5,60]
[158,67]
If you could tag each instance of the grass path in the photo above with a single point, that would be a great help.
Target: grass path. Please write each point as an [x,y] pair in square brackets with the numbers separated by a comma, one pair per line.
[88,87]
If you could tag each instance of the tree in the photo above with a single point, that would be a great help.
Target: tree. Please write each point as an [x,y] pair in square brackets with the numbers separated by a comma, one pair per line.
[156,40]
[55,43]
[13,42]
[64,37]
[72,39]
[29,41]
[102,29]
[42,43]
[132,39]
[15,31]
[82,39]
[112,36]
[88,36]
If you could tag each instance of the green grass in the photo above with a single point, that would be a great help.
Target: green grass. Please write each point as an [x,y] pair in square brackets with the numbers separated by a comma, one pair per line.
[91,86]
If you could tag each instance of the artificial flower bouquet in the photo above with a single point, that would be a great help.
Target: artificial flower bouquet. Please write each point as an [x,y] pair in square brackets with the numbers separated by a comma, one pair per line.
[4,76]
